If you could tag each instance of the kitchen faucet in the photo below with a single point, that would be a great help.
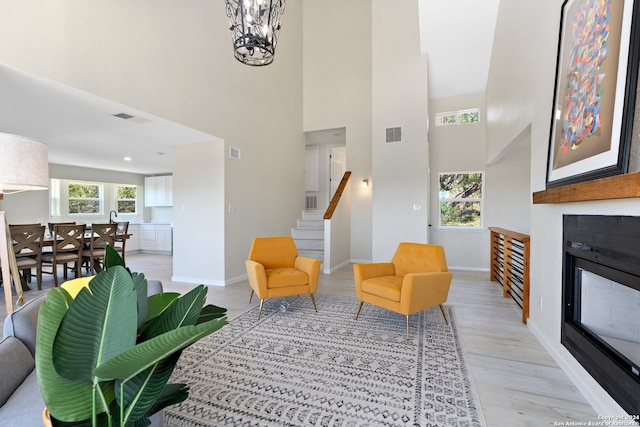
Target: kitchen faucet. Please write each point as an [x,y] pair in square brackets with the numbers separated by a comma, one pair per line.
[112,212]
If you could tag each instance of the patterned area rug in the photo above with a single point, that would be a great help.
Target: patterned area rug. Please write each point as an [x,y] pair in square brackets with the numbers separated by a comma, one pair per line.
[296,367]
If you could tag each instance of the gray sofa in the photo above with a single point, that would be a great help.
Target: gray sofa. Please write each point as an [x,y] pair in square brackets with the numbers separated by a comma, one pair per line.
[20,400]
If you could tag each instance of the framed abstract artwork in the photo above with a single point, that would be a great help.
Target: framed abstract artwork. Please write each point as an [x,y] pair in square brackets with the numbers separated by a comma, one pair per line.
[595,91]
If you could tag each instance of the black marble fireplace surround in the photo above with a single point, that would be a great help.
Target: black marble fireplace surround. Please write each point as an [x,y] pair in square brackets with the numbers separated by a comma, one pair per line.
[601,301]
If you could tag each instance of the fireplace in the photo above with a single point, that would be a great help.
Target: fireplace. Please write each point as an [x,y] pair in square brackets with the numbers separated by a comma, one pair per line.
[601,301]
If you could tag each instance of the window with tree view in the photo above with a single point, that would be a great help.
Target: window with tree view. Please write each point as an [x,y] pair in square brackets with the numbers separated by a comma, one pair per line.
[85,198]
[126,196]
[461,199]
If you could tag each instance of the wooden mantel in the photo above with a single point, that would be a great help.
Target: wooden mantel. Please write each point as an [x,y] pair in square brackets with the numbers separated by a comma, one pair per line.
[615,187]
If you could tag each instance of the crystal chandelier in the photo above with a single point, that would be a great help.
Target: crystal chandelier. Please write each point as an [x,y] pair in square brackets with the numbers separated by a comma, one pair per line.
[254,29]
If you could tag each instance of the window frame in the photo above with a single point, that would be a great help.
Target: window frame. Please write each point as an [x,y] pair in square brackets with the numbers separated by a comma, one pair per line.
[99,199]
[450,118]
[480,200]
[117,199]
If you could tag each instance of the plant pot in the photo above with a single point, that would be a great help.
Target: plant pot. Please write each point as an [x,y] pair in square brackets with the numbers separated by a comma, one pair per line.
[46,418]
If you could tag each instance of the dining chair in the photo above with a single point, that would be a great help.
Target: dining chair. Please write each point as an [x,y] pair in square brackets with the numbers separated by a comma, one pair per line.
[52,225]
[119,243]
[67,246]
[101,236]
[27,243]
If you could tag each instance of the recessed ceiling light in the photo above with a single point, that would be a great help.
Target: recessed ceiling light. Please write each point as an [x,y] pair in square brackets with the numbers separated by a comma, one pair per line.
[128,159]
[160,153]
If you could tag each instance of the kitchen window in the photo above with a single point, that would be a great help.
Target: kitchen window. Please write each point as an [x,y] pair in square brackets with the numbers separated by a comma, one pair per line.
[126,199]
[85,198]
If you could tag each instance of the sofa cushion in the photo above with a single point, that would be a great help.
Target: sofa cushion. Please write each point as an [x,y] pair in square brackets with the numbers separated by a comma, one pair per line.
[14,355]
[23,323]
[25,406]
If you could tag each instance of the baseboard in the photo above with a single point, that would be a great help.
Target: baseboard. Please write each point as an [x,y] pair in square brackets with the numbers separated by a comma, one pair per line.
[594,394]
[469,269]
[196,281]
[336,268]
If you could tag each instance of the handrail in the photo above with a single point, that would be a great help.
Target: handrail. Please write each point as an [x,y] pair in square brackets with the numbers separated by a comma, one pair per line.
[510,253]
[336,197]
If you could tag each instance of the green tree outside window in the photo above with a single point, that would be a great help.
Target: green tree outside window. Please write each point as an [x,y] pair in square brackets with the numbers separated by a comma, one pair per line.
[126,197]
[461,199]
[84,198]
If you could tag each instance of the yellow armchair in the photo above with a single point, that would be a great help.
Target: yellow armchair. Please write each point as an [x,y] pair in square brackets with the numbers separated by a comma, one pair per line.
[417,278]
[275,270]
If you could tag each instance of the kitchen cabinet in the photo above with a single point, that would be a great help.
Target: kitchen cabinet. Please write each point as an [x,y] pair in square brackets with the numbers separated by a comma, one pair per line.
[133,242]
[164,238]
[156,238]
[158,191]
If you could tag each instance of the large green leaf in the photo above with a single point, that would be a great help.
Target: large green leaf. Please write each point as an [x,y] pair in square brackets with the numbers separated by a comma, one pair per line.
[171,395]
[141,391]
[65,401]
[140,285]
[134,360]
[158,303]
[112,258]
[101,323]
[210,312]
[184,311]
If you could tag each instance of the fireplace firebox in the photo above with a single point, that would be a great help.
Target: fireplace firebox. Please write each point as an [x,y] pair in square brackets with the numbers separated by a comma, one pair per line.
[601,301]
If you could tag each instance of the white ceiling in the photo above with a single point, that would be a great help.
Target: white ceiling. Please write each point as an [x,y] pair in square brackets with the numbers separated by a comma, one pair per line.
[457,36]
[80,129]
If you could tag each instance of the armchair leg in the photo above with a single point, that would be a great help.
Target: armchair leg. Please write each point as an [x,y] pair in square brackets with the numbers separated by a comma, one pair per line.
[260,310]
[313,300]
[251,296]
[445,316]
[407,327]
[359,308]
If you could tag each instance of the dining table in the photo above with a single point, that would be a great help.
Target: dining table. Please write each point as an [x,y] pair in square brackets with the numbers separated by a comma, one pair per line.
[12,269]
[48,241]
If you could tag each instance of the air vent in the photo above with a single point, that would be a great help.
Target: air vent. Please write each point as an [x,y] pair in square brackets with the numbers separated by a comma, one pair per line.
[124,116]
[311,202]
[234,153]
[394,135]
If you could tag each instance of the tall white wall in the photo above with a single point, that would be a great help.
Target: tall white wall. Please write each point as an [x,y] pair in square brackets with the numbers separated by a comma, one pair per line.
[174,60]
[196,216]
[531,64]
[506,195]
[337,93]
[509,87]
[399,98]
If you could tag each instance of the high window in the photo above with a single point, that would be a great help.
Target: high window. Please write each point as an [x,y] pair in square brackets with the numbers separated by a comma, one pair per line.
[85,198]
[458,117]
[461,199]
[126,196]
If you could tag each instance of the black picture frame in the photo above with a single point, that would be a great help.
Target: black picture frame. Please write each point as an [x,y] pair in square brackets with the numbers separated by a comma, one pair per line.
[594,92]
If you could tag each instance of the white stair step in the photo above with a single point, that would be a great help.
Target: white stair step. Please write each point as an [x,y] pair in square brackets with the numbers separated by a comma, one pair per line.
[311,223]
[313,214]
[307,233]
[319,255]
[309,244]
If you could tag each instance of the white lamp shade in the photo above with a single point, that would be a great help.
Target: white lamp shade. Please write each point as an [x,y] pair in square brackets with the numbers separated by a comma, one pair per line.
[24,164]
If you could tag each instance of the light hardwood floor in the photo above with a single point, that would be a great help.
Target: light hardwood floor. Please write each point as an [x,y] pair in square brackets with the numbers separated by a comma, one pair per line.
[518,382]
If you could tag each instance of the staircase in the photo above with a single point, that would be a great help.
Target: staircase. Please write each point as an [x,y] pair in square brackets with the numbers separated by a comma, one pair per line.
[309,234]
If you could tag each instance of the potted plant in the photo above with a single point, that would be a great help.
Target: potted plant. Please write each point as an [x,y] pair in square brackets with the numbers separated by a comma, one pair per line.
[104,358]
